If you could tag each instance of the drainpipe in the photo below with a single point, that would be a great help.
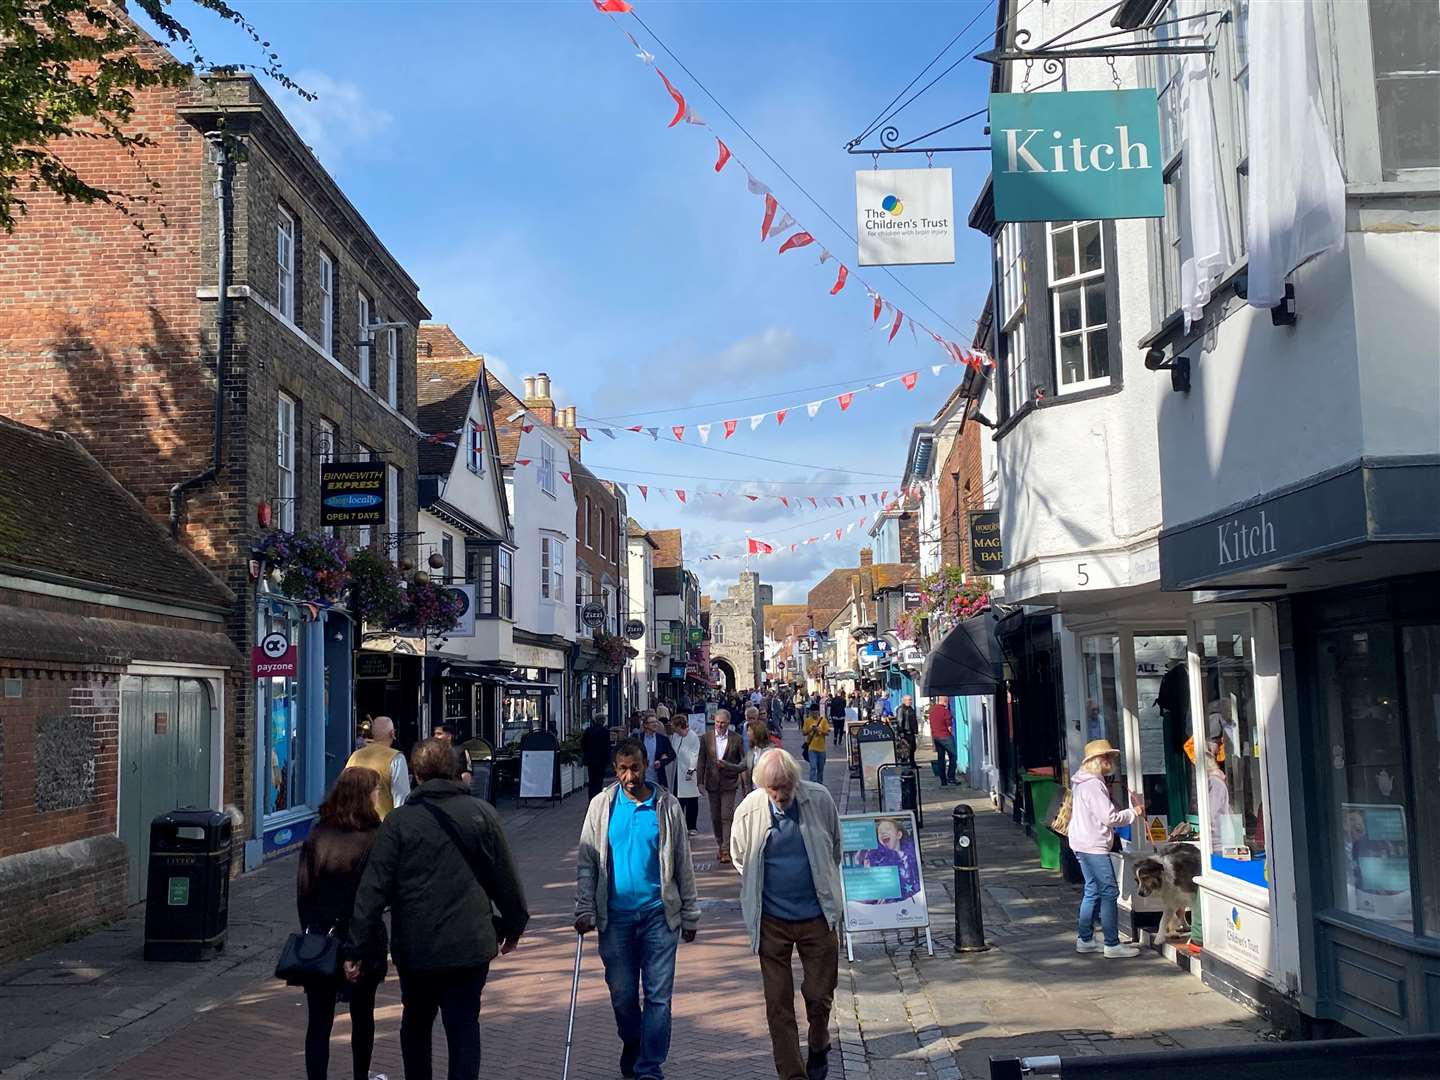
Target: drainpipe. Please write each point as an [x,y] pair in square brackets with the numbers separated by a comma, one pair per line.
[222,328]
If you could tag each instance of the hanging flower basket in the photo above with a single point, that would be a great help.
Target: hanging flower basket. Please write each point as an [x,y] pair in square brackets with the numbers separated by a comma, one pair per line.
[311,568]
[614,648]
[375,593]
[429,610]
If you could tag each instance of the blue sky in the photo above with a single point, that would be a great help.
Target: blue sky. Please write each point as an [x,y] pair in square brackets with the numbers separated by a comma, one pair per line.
[515,158]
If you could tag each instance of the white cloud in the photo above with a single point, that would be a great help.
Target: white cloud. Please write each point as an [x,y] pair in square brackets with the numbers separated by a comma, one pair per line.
[338,121]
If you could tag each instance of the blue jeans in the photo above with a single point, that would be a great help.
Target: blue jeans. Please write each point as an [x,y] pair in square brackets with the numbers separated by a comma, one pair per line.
[945,757]
[1100,889]
[817,766]
[638,946]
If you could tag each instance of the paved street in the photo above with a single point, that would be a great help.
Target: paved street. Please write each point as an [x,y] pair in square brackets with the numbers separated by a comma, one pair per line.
[899,1013]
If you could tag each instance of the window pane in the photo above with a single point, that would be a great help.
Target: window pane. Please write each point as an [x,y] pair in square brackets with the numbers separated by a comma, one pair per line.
[1409,135]
[1099,354]
[1233,767]
[1062,244]
[1091,256]
[1371,853]
[1067,309]
[1404,35]
[1422,697]
[1095,303]
[1072,360]
[1162,690]
[1102,705]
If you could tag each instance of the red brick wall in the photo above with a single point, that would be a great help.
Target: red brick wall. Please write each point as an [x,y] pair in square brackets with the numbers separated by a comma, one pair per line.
[962,488]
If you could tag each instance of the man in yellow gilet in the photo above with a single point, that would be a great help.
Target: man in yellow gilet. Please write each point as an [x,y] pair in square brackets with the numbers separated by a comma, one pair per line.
[388,763]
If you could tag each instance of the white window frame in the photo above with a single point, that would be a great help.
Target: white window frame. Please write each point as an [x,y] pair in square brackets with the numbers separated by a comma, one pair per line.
[392,508]
[1010,273]
[547,468]
[475,449]
[327,304]
[392,362]
[363,536]
[285,461]
[607,597]
[327,456]
[285,263]
[583,586]
[552,568]
[362,304]
[1081,279]
[588,537]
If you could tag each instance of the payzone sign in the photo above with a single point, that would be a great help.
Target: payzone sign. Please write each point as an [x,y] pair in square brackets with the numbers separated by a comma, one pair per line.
[1092,154]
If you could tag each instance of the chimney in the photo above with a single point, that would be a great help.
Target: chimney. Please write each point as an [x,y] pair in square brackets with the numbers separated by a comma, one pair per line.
[537,398]
[570,416]
[867,557]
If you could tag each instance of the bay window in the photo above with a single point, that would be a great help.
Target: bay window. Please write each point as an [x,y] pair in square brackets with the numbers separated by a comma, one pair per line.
[488,568]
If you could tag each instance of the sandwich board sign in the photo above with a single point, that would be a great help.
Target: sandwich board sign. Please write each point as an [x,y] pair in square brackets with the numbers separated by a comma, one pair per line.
[1076,156]
[881,880]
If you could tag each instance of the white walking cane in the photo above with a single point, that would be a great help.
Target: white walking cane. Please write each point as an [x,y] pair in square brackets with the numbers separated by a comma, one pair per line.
[574,994]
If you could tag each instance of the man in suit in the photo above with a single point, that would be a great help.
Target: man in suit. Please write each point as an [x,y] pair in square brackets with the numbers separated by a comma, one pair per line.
[658,750]
[721,762]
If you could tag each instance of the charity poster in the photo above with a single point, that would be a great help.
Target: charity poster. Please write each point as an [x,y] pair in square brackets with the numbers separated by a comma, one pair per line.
[1377,862]
[880,872]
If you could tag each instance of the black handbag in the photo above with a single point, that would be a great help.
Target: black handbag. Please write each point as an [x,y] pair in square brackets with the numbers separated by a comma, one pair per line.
[308,957]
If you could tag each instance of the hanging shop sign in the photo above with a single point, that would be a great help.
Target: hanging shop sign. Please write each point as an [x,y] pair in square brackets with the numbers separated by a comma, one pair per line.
[697,635]
[987,554]
[373,665]
[593,614]
[274,658]
[634,629]
[912,597]
[905,217]
[1076,156]
[465,596]
[352,493]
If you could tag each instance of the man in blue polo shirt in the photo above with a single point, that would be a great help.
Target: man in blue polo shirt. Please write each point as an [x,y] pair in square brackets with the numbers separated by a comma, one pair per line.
[635,883]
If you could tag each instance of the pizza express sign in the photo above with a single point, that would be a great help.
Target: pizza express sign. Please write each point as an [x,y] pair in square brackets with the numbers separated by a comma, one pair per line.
[1076,156]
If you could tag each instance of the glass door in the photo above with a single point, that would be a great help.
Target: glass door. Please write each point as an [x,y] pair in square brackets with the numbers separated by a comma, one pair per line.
[1162,710]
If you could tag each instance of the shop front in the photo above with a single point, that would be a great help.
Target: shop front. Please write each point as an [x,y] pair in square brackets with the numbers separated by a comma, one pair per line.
[1031,735]
[597,687]
[304,711]
[390,681]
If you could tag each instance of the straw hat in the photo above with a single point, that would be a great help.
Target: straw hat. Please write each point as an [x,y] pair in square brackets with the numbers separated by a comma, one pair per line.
[1098,748]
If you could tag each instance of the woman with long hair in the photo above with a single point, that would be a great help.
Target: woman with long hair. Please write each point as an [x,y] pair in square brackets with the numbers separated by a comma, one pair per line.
[760,741]
[331,863]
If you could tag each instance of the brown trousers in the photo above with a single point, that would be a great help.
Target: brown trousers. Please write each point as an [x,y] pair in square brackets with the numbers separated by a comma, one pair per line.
[722,813]
[819,949]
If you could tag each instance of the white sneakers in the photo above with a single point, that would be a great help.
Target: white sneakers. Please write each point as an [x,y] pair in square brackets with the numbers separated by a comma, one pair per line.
[1112,952]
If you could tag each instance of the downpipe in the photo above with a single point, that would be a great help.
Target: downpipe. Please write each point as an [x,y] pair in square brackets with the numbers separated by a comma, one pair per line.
[219,156]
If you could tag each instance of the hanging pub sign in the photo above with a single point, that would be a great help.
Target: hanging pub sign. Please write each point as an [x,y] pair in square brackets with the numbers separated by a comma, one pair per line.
[1076,156]
[464,595]
[904,217]
[911,595]
[987,555]
[634,629]
[352,493]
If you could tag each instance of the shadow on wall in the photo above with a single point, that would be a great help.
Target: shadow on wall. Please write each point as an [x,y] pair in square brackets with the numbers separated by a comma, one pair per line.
[1021,516]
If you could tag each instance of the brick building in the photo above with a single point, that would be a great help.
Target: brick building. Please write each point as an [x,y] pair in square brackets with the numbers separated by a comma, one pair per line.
[602,572]
[216,401]
[119,682]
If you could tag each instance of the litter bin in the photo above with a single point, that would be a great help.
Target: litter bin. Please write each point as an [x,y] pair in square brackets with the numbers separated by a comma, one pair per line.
[1043,789]
[187,901]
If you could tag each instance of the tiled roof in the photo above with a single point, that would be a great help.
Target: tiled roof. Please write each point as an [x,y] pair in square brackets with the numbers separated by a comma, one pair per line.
[779,617]
[444,390]
[439,342]
[670,547]
[833,591]
[61,513]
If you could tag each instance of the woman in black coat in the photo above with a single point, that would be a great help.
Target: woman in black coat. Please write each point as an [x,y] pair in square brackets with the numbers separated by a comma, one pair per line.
[331,863]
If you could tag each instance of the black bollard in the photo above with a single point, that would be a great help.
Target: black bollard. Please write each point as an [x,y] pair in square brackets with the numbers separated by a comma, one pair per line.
[969,922]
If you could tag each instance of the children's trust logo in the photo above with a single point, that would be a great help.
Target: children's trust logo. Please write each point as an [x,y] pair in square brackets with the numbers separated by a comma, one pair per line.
[892,205]
[1235,918]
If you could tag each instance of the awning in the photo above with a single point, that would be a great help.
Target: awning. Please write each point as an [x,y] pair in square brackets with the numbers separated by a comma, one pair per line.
[966,662]
[525,686]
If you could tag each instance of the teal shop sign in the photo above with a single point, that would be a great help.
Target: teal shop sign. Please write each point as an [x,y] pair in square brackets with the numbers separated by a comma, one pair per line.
[1076,156]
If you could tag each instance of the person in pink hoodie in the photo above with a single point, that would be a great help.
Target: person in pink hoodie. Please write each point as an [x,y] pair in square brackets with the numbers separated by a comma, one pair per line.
[1093,819]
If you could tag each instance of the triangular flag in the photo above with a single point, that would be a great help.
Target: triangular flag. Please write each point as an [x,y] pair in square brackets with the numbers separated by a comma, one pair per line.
[565,476]
[794,548]
[845,400]
[895,326]
[730,427]
[909,381]
[884,494]
[724,157]
[785,222]
[850,499]
[756,420]
[680,494]
[785,499]
[878,305]
[935,369]
[840,279]
[755,186]
[799,240]
[624,486]
[637,428]
[584,433]
[679,432]
[839,500]
[752,498]
[811,539]
[609,432]
[523,461]
[812,500]
[704,430]
[770,207]
[780,416]
[679,99]
[612,7]
[839,533]
[640,53]
[813,408]
[644,491]
[850,528]
[862,500]
[653,432]
[693,117]
[864,518]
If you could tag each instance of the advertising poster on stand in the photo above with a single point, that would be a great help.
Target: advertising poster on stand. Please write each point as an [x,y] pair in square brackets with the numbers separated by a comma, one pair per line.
[880,872]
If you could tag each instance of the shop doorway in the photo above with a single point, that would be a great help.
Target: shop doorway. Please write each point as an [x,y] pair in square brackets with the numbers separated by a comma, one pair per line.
[165,760]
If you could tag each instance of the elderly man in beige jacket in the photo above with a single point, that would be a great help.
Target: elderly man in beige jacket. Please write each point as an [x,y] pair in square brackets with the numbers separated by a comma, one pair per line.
[786,845]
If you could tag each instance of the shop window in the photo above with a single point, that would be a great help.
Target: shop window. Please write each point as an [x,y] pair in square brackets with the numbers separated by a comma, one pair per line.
[1162,705]
[285,776]
[1421,647]
[1102,705]
[1232,766]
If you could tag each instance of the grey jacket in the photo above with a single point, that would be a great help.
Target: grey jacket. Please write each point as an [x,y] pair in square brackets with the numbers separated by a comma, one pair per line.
[677,875]
[819,828]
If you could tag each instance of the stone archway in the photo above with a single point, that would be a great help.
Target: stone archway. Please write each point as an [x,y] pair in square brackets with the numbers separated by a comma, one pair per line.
[726,671]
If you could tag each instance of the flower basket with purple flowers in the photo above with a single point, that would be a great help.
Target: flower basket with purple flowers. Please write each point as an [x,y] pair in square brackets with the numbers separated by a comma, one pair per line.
[311,568]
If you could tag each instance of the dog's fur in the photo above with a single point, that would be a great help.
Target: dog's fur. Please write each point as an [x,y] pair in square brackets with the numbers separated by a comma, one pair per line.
[1171,872]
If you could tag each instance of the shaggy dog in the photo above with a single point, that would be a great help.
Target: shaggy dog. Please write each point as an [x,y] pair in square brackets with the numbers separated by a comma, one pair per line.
[1171,872]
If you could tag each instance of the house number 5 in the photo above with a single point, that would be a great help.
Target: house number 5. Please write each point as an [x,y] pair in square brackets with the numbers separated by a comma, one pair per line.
[1081,574]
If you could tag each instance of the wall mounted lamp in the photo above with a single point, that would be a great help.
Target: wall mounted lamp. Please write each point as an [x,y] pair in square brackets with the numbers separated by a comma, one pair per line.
[1178,366]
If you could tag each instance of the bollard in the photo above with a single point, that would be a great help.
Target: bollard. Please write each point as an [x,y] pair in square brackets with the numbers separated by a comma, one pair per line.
[969,923]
